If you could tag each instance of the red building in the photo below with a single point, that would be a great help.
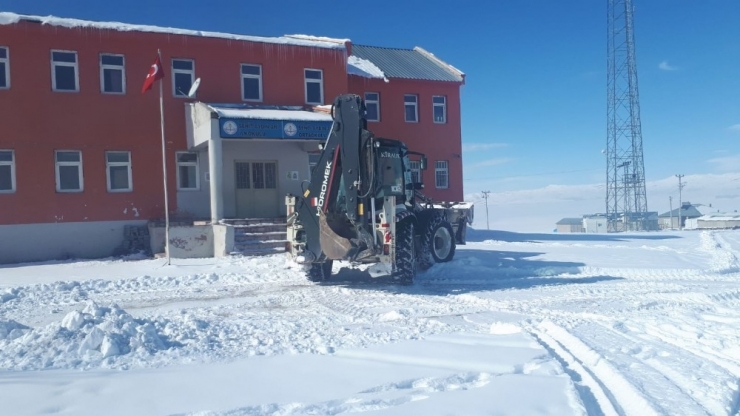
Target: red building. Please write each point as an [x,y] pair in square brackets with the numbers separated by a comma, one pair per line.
[80,145]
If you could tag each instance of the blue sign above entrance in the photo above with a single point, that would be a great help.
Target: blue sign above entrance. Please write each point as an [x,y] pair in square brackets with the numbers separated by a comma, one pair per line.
[241,128]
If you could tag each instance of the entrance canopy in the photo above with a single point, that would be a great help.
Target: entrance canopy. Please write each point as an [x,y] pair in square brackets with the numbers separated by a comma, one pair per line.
[235,121]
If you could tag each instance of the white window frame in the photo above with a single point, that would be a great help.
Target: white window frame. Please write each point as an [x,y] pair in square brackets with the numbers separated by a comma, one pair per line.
[376,102]
[12,171]
[416,107]
[196,164]
[251,76]
[181,71]
[57,164]
[320,81]
[109,164]
[6,61]
[442,166]
[121,67]
[75,65]
[443,105]
[415,168]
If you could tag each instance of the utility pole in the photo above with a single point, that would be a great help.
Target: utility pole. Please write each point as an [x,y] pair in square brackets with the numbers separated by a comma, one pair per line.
[670,204]
[485,196]
[680,203]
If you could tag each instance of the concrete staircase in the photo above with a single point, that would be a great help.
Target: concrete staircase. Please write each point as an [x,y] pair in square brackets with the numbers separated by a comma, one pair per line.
[259,236]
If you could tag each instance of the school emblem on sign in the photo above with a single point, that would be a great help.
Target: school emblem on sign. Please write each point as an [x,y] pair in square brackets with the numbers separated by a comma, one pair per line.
[230,128]
[290,129]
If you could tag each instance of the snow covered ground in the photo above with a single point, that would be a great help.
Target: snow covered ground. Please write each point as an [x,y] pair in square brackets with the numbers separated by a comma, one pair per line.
[516,324]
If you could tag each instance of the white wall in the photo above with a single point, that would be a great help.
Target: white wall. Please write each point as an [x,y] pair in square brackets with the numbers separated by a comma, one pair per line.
[594,225]
[56,241]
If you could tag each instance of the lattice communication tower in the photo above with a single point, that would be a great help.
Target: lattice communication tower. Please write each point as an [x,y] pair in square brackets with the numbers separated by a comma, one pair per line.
[626,199]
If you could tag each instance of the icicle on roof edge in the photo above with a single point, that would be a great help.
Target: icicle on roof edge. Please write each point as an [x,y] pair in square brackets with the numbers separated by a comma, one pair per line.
[8,18]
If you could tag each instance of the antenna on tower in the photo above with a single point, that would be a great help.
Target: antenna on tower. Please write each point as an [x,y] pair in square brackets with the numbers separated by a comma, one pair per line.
[626,199]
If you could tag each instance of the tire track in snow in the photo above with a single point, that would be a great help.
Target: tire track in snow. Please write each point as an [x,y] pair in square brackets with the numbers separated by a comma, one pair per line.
[724,257]
[368,400]
[613,393]
[659,379]
[594,395]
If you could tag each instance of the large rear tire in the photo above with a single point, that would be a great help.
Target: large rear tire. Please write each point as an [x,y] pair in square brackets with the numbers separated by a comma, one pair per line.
[405,261]
[437,243]
[320,272]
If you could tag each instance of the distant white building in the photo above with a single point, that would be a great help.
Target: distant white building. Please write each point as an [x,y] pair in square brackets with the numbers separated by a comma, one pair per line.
[594,223]
[715,220]
[570,225]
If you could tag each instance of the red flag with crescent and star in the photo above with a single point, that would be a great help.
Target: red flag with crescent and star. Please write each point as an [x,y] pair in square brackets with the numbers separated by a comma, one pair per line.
[155,73]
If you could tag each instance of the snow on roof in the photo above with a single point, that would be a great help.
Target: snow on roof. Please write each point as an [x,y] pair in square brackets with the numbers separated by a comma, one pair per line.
[364,68]
[439,61]
[318,38]
[721,216]
[7,18]
[282,113]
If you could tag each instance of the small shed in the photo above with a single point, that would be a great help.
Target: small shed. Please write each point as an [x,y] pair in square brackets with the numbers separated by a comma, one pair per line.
[570,225]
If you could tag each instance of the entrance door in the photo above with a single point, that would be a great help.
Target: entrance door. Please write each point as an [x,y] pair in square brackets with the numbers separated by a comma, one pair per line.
[256,189]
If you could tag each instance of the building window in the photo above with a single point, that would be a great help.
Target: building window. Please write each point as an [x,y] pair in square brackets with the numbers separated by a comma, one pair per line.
[441,174]
[183,74]
[314,86]
[372,104]
[64,75]
[415,167]
[187,171]
[7,171]
[118,170]
[69,170]
[439,108]
[4,68]
[112,74]
[251,82]
[410,103]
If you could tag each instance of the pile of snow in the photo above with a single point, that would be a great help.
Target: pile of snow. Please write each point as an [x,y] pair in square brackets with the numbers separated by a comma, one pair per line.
[11,330]
[8,295]
[89,338]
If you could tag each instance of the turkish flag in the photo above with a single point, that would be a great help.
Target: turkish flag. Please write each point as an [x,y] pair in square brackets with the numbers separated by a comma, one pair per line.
[155,73]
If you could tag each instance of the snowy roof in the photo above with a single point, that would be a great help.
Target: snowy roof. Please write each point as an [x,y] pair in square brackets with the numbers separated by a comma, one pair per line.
[570,221]
[687,211]
[721,216]
[408,63]
[7,18]
[271,113]
[364,68]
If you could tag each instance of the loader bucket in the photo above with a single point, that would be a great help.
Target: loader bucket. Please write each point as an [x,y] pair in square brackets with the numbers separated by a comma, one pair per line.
[334,246]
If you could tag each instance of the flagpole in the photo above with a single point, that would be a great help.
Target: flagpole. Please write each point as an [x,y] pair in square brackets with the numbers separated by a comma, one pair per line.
[164,171]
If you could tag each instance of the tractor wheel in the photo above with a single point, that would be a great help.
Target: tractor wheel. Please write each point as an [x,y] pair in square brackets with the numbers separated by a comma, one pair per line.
[320,272]
[405,261]
[437,243]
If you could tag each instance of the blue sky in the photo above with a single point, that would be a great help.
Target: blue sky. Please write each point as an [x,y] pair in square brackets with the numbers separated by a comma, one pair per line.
[534,105]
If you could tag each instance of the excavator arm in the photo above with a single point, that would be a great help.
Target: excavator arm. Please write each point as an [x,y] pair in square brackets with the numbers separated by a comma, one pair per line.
[332,208]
